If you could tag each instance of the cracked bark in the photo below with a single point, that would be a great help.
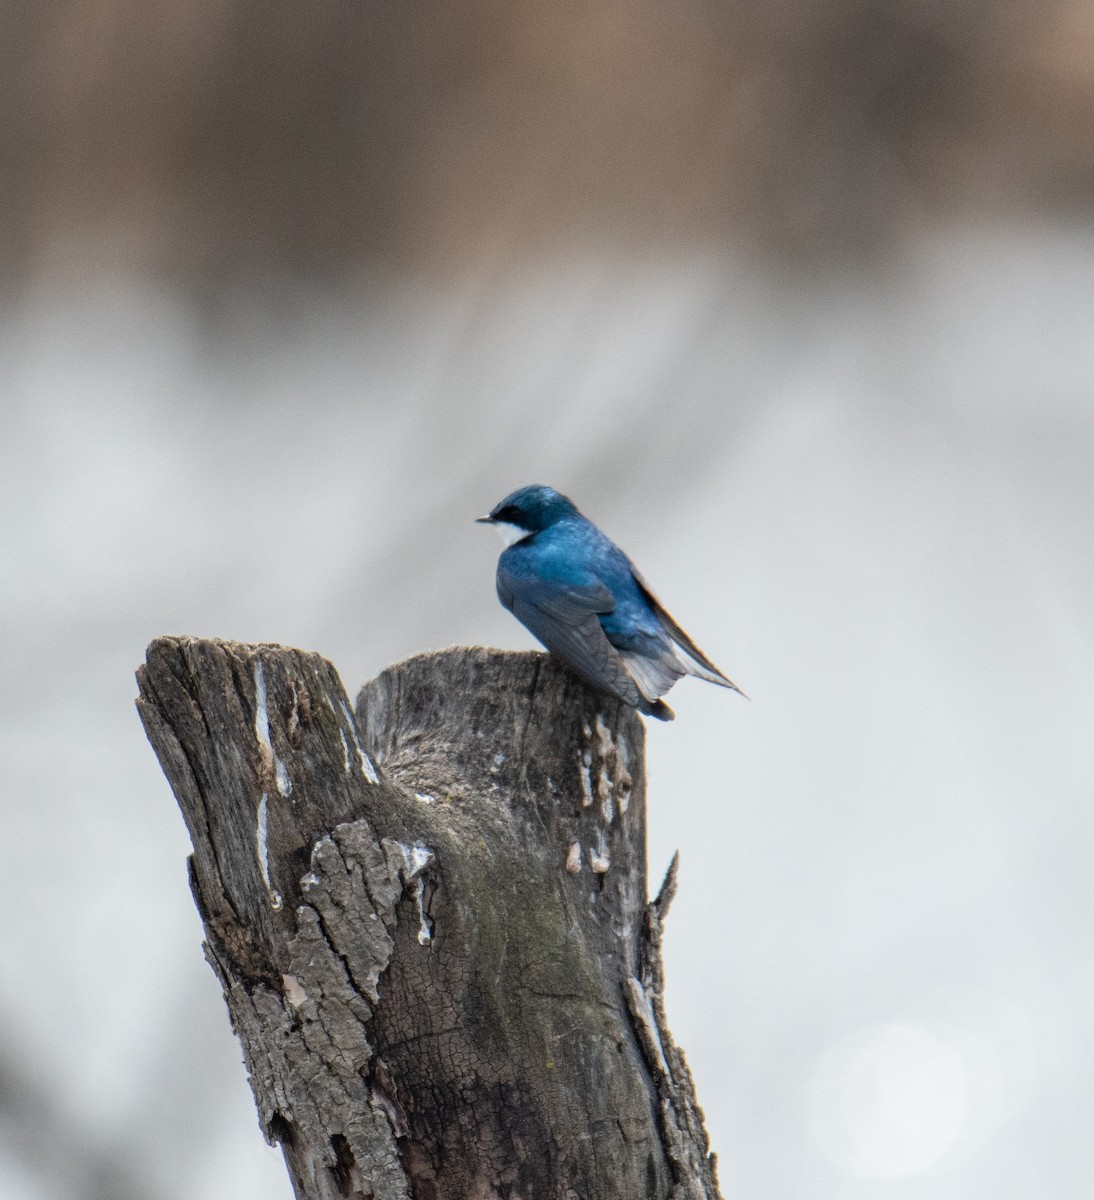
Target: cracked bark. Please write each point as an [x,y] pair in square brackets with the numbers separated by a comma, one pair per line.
[430,922]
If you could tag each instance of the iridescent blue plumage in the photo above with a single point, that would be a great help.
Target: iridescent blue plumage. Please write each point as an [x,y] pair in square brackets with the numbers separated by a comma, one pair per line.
[584,599]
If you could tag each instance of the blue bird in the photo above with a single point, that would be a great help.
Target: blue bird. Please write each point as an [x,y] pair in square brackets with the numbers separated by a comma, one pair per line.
[584,599]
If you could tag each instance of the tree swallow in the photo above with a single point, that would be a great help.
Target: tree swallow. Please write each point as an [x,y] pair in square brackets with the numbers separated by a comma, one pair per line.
[584,599]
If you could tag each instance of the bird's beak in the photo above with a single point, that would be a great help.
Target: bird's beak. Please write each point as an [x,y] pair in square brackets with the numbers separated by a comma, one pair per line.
[484,520]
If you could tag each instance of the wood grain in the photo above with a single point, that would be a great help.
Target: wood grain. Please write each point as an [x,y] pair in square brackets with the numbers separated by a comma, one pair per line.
[429,919]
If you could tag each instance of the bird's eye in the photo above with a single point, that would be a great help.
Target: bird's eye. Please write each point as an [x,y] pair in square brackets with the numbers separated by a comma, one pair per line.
[510,514]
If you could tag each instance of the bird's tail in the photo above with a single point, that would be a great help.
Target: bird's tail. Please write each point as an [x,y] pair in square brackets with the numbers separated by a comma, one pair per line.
[658,709]
[691,660]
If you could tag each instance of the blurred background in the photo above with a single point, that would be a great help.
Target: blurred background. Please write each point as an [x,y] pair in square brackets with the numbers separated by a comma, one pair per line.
[796,301]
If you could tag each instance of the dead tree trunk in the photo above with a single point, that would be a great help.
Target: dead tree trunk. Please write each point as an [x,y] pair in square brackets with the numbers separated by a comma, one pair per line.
[430,922]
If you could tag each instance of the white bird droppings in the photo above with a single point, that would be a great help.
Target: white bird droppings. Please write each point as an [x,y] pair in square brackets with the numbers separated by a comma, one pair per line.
[260,838]
[586,779]
[263,849]
[367,769]
[415,860]
[573,859]
[599,860]
[262,717]
[425,934]
[262,731]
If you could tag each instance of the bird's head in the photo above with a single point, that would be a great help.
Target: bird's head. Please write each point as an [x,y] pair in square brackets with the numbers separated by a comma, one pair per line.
[528,510]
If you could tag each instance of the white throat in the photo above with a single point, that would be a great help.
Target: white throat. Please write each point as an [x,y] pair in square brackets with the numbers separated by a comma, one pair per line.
[509,533]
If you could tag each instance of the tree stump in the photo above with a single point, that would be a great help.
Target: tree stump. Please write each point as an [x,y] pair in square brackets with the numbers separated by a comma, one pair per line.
[430,922]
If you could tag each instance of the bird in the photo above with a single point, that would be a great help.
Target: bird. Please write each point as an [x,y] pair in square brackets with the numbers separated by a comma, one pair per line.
[573,588]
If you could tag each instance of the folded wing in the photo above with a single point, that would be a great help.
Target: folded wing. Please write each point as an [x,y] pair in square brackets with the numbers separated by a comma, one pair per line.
[565,617]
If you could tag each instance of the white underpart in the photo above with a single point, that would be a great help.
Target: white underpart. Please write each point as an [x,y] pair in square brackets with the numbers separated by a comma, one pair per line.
[653,677]
[509,534]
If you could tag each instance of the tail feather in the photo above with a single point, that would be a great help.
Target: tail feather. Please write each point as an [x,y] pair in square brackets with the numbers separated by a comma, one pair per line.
[658,709]
[691,658]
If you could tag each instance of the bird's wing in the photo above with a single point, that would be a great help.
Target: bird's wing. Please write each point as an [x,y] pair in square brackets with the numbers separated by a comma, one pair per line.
[692,660]
[565,618]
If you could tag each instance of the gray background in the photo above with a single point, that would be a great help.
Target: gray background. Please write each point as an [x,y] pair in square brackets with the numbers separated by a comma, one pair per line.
[796,305]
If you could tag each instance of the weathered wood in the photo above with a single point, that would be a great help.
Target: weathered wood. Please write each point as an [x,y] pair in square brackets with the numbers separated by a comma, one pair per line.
[430,922]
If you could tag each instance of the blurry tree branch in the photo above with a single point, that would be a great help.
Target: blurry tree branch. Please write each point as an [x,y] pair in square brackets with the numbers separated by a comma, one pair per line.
[217,149]
[430,921]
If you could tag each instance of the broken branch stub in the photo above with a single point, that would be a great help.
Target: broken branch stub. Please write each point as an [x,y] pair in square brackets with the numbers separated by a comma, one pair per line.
[430,922]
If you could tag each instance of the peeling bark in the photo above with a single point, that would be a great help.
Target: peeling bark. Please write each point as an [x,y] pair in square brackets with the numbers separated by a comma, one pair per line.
[430,922]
